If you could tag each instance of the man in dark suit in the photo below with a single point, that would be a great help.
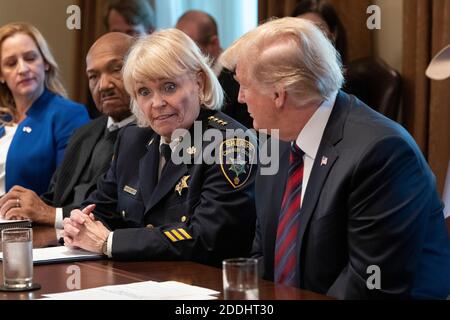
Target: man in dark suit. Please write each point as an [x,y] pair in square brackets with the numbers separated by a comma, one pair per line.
[133,17]
[89,152]
[353,210]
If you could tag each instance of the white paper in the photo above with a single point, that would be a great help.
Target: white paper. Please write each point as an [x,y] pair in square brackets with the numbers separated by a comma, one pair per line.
[148,290]
[4,221]
[58,254]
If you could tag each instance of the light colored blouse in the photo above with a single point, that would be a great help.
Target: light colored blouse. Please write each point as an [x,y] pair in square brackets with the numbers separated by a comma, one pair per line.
[5,142]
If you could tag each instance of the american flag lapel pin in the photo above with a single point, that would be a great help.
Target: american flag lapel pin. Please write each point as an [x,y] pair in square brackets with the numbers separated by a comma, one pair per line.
[27,129]
[324,161]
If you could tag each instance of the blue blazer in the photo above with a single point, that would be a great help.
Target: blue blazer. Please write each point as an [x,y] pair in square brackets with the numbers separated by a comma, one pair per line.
[38,145]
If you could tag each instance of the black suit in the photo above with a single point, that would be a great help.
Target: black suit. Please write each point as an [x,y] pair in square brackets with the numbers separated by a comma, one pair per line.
[76,159]
[194,212]
[373,202]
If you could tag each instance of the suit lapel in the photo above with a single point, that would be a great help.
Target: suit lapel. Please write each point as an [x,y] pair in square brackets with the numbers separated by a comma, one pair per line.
[327,155]
[171,175]
[318,176]
[74,169]
[148,169]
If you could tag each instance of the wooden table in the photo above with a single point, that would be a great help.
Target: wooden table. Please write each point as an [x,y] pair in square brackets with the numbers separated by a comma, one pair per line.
[57,277]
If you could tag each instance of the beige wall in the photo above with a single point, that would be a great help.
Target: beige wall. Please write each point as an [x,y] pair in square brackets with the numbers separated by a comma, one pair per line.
[388,40]
[49,16]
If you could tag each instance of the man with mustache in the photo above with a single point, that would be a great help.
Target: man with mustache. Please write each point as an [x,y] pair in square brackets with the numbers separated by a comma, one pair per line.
[90,150]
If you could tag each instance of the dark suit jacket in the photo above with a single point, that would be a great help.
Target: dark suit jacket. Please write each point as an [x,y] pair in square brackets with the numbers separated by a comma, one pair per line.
[77,157]
[206,218]
[373,203]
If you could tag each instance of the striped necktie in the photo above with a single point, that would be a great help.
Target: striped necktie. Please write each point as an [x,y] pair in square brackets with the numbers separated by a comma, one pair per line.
[286,264]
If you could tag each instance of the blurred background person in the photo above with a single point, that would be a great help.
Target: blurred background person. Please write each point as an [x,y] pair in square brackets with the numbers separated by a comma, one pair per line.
[133,17]
[439,69]
[323,14]
[36,118]
[147,206]
[202,28]
[90,150]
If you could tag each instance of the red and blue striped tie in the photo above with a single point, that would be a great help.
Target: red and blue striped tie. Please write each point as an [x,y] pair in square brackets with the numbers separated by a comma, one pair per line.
[286,264]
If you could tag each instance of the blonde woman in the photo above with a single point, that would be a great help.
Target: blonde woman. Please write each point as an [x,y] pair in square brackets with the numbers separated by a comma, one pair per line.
[150,207]
[36,120]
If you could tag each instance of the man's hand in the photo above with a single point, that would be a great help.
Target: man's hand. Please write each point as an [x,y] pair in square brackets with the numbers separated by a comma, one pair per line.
[83,231]
[21,203]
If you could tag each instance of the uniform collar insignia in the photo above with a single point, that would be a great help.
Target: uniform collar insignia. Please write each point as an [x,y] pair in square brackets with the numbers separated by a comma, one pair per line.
[182,184]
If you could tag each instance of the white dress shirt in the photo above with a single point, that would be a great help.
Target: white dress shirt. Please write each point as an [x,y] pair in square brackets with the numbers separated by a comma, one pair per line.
[5,142]
[311,135]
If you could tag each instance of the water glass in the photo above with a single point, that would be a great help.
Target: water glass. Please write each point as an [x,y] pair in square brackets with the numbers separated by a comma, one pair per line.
[240,279]
[17,247]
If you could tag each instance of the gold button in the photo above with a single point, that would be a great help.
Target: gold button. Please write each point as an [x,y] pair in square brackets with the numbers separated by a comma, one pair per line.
[183,219]
[150,226]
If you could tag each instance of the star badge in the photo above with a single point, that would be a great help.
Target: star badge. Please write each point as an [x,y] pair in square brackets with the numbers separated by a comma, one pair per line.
[182,184]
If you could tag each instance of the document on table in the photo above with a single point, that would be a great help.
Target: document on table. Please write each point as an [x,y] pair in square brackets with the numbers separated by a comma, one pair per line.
[61,254]
[147,290]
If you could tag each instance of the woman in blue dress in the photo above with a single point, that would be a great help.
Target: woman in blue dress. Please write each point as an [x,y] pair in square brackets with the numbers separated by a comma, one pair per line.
[36,120]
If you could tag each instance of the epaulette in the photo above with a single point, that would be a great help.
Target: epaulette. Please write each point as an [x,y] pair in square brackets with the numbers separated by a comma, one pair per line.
[217,122]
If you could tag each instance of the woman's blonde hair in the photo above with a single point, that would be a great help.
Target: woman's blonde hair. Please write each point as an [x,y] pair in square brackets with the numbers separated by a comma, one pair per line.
[168,54]
[52,82]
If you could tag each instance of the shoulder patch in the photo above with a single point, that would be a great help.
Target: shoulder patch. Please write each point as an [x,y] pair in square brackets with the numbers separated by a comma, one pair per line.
[237,157]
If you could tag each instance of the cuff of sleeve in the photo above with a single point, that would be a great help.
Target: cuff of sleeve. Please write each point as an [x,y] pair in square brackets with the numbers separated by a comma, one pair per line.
[59,218]
[60,235]
[109,245]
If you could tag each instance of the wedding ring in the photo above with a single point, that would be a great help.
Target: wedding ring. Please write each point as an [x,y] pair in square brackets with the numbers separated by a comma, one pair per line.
[18,203]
